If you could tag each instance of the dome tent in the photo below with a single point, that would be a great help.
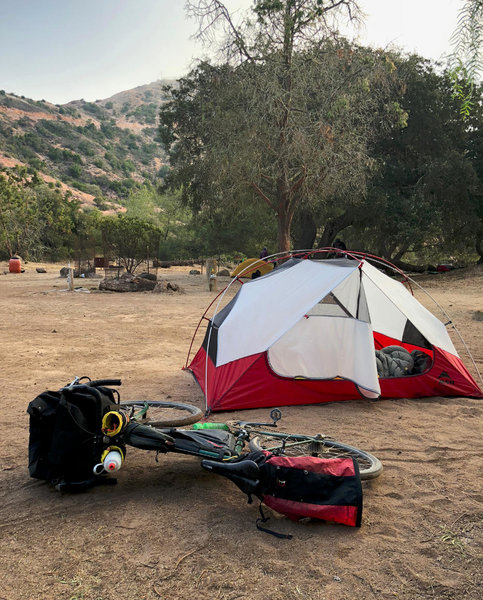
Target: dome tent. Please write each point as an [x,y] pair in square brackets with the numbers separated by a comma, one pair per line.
[308,332]
[250,266]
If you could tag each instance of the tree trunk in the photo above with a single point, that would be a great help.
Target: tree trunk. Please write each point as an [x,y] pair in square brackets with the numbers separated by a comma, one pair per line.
[479,249]
[305,230]
[332,228]
[284,223]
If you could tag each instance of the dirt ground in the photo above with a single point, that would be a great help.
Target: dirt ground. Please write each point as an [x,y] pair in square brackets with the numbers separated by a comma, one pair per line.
[170,530]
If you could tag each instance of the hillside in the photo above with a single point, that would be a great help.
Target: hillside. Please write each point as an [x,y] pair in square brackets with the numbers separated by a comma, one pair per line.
[98,150]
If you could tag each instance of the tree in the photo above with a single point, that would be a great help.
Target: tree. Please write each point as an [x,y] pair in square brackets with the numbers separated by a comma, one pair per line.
[475,155]
[35,220]
[467,57]
[424,198]
[129,238]
[289,121]
[9,201]
[164,210]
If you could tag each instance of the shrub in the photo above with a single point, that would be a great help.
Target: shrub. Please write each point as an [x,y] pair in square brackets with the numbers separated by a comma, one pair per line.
[98,162]
[86,148]
[75,170]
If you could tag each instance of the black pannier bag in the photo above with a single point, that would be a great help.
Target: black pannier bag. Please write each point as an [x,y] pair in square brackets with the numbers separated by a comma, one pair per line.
[66,441]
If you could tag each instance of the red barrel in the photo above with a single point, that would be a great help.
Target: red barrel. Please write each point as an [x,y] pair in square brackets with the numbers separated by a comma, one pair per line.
[14,265]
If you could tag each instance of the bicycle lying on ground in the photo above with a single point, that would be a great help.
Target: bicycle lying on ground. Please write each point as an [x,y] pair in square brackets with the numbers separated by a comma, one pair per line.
[225,442]
[80,433]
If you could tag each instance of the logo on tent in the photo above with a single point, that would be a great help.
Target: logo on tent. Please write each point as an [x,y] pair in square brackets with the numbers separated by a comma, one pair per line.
[445,378]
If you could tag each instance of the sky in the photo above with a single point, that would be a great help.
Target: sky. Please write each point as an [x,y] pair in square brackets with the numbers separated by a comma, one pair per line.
[62,50]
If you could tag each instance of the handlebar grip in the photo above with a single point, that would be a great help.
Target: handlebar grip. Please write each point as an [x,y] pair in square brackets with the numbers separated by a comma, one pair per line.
[104,382]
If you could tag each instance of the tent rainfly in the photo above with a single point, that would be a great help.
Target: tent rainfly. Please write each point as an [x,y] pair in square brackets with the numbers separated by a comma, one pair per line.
[314,331]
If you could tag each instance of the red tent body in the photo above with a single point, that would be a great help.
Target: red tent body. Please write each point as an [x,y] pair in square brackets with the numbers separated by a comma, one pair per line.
[252,384]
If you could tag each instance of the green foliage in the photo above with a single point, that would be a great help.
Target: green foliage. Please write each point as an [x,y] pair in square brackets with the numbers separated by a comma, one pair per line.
[98,162]
[110,130]
[35,220]
[424,197]
[145,113]
[129,238]
[112,160]
[95,110]
[101,203]
[75,170]
[36,163]
[86,148]
[467,59]
[123,187]
[128,166]
[163,171]
[249,228]
[232,140]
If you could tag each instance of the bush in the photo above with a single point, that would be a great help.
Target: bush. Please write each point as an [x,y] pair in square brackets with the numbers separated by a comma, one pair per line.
[95,110]
[98,162]
[86,148]
[37,164]
[101,203]
[128,166]
[75,170]
[145,113]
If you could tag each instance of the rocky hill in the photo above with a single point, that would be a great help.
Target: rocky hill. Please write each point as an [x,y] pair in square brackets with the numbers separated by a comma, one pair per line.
[98,150]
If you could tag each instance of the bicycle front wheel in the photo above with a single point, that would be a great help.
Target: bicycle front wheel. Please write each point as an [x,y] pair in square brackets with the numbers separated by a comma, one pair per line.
[293,444]
[162,414]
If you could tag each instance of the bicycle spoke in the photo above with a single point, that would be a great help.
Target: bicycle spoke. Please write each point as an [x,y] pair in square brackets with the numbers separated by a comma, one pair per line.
[293,445]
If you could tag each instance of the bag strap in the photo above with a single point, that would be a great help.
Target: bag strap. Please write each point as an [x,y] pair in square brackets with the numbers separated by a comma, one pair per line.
[66,404]
[264,519]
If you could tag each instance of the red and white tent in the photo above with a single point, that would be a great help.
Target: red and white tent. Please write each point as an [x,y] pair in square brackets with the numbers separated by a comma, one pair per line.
[307,333]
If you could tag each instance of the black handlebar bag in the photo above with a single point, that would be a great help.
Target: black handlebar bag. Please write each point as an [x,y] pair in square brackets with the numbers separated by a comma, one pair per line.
[306,486]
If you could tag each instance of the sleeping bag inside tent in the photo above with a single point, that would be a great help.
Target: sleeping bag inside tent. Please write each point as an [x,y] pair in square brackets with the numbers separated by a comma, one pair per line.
[315,331]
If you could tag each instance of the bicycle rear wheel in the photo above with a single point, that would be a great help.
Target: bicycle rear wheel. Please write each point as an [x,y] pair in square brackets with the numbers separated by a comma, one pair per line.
[293,444]
[162,414]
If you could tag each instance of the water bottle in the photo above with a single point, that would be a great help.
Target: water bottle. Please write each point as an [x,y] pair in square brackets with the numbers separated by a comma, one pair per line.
[223,426]
[113,461]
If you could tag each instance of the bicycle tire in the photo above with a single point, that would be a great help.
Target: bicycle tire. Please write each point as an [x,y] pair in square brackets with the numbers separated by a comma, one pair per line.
[157,414]
[370,467]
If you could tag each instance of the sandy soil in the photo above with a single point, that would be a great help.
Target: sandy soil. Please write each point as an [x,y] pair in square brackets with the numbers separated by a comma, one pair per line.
[169,530]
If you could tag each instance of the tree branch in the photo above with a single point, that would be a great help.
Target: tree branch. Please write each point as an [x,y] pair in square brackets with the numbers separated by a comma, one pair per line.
[209,13]
[263,196]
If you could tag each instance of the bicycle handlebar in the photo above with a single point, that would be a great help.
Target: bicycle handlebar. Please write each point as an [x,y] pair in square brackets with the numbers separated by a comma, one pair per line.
[79,381]
[104,382]
[275,415]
